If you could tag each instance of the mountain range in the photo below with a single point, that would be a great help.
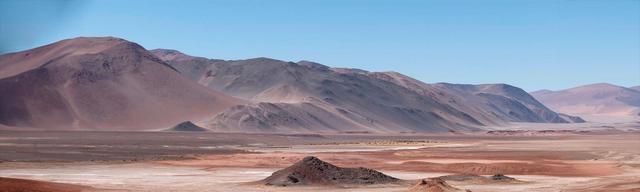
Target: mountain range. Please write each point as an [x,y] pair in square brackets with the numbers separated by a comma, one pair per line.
[106,83]
[594,99]
[291,95]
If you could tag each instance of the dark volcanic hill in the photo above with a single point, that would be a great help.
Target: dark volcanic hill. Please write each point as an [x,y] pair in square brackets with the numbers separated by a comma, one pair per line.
[100,83]
[313,171]
[312,96]
[594,99]
[186,126]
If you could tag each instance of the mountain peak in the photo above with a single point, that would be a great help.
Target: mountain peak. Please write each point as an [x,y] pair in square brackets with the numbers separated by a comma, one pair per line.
[15,63]
[541,91]
[167,51]
[600,85]
[171,54]
[93,44]
[267,59]
[99,82]
[349,70]
[312,65]
[103,39]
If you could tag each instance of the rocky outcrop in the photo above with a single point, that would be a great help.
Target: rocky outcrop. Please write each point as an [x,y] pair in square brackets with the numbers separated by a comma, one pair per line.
[434,185]
[313,171]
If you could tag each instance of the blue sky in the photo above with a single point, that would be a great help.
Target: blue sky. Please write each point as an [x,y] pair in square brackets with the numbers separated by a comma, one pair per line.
[533,44]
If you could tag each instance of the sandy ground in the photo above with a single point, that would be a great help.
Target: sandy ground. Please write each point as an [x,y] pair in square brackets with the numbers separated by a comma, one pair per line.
[227,162]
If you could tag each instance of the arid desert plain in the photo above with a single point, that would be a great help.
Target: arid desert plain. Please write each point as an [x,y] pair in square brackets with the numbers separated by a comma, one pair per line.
[597,160]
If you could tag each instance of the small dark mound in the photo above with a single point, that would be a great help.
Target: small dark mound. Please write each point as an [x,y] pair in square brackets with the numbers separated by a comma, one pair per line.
[478,179]
[434,185]
[501,177]
[187,126]
[313,171]
[463,177]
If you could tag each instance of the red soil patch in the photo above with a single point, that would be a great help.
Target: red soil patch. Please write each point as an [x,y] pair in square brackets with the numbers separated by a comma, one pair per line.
[552,164]
[552,169]
[25,185]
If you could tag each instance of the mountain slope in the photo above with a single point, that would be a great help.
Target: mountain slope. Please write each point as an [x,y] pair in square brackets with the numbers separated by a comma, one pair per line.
[357,98]
[489,103]
[353,98]
[507,102]
[99,84]
[594,99]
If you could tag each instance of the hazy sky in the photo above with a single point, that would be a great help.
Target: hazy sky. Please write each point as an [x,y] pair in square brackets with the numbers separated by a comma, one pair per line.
[536,44]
